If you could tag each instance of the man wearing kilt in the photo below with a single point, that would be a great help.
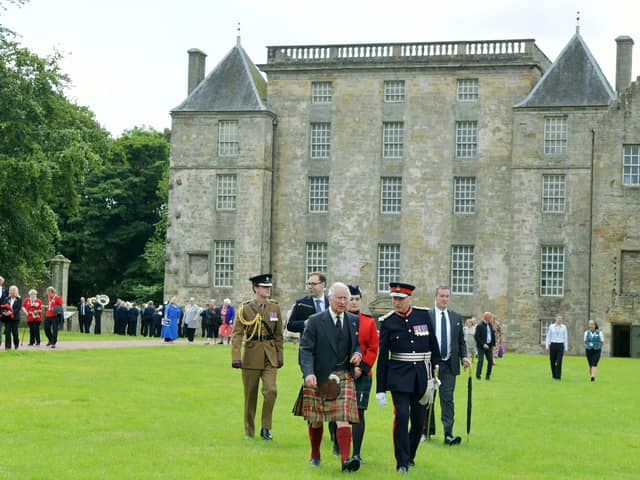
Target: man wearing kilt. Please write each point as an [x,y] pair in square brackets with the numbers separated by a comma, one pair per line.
[329,351]
[408,348]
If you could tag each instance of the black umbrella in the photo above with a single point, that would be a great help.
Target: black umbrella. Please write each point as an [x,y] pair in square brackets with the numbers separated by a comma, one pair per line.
[469,403]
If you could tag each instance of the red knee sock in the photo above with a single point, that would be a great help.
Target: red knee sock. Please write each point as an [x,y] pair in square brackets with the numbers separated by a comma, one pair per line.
[315,437]
[344,442]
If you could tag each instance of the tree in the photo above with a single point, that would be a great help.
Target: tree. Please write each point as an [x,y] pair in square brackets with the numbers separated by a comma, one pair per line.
[120,204]
[47,144]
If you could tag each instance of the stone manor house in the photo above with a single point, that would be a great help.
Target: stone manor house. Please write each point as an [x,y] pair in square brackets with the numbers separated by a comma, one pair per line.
[477,164]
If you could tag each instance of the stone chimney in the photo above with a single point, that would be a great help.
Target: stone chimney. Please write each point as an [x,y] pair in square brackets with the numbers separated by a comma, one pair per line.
[197,60]
[623,62]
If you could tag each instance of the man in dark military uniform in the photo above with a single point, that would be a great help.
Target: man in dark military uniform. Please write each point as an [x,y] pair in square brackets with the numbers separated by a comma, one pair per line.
[408,347]
[259,328]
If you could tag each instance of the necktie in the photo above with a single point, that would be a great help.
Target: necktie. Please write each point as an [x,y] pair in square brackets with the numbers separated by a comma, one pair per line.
[339,323]
[318,305]
[444,352]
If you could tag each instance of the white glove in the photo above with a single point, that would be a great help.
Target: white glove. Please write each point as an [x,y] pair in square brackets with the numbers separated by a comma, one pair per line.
[381,398]
[437,383]
[427,398]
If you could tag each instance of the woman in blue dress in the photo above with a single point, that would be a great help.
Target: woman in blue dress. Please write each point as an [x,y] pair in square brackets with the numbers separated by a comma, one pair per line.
[170,321]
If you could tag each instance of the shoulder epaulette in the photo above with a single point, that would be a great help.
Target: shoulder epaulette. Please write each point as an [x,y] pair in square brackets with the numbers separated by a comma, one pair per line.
[385,316]
[420,308]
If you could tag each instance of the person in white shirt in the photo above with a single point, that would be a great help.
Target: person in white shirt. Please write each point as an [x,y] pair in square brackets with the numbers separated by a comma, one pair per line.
[557,344]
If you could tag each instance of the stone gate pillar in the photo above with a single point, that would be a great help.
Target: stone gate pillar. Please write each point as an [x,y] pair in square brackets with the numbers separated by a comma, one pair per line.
[60,277]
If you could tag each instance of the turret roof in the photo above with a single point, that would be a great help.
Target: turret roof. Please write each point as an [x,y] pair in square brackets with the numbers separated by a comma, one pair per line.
[574,79]
[235,85]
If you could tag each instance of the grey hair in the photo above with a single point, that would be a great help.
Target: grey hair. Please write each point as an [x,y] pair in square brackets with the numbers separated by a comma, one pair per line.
[335,285]
[441,287]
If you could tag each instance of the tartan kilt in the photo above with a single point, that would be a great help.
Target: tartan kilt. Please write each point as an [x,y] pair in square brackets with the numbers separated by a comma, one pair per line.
[363,390]
[343,409]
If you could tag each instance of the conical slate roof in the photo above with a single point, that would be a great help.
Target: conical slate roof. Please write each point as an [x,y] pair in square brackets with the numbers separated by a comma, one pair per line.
[574,79]
[234,85]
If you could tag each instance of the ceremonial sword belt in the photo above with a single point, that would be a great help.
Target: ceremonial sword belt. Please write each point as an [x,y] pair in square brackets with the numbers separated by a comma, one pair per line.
[414,357]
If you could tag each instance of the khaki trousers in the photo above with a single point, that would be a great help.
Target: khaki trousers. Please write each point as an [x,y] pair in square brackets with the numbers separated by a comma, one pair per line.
[251,381]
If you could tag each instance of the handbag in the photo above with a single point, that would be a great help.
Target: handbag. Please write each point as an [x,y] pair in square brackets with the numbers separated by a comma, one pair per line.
[501,350]
[58,310]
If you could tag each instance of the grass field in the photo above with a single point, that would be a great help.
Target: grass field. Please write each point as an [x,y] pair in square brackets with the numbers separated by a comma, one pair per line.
[176,413]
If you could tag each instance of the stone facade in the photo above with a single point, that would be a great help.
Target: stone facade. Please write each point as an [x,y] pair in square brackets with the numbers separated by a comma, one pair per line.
[518,88]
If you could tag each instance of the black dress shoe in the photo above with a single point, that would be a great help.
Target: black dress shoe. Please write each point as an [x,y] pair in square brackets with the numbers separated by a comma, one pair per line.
[350,465]
[451,440]
[359,458]
[315,462]
[266,434]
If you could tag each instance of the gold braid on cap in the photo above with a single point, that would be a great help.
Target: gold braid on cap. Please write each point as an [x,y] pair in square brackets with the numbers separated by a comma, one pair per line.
[247,323]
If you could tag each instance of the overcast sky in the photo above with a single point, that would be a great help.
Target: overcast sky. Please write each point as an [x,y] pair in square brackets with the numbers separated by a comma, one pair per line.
[127,59]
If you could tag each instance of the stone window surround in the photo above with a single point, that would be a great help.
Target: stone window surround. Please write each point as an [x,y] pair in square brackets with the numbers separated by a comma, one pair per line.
[552,260]
[316,257]
[466,138]
[321,92]
[390,195]
[226,191]
[555,134]
[545,323]
[394,91]
[553,193]
[467,89]
[223,263]
[464,195]
[388,265]
[392,139]
[320,142]
[318,195]
[462,269]
[228,138]
[631,165]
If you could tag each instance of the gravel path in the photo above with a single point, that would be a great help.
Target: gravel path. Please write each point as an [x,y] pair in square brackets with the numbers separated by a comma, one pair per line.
[76,345]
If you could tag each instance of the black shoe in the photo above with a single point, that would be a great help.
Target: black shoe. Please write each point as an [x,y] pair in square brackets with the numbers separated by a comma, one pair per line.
[487,379]
[359,458]
[336,450]
[351,465]
[402,470]
[266,434]
[478,378]
[593,379]
[451,440]
[315,462]
[412,463]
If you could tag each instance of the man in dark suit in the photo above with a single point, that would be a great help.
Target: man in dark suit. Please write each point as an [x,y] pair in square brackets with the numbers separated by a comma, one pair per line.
[329,350]
[305,306]
[448,327]
[407,349]
[97,314]
[485,341]
[147,319]
[132,319]
[84,315]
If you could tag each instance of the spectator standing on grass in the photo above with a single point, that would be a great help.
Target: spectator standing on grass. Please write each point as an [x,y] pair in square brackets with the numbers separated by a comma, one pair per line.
[147,319]
[33,306]
[97,315]
[170,320]
[557,344]
[227,315]
[132,320]
[485,340]
[11,307]
[469,339]
[593,341]
[84,315]
[498,348]
[53,317]
[191,316]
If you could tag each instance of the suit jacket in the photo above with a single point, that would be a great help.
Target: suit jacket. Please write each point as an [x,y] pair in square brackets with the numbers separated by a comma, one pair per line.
[319,344]
[456,332]
[481,335]
[257,353]
[296,321]
[88,313]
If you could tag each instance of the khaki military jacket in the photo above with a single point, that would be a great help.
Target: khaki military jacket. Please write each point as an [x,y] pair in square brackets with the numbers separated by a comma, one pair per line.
[261,334]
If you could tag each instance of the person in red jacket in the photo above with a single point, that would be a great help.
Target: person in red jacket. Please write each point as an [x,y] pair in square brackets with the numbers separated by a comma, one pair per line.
[52,319]
[368,338]
[33,305]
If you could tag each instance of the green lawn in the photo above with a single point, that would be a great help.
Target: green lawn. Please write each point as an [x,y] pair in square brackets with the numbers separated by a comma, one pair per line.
[175,413]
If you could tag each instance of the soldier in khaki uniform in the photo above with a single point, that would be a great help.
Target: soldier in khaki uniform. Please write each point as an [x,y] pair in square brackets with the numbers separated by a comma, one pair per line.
[259,325]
